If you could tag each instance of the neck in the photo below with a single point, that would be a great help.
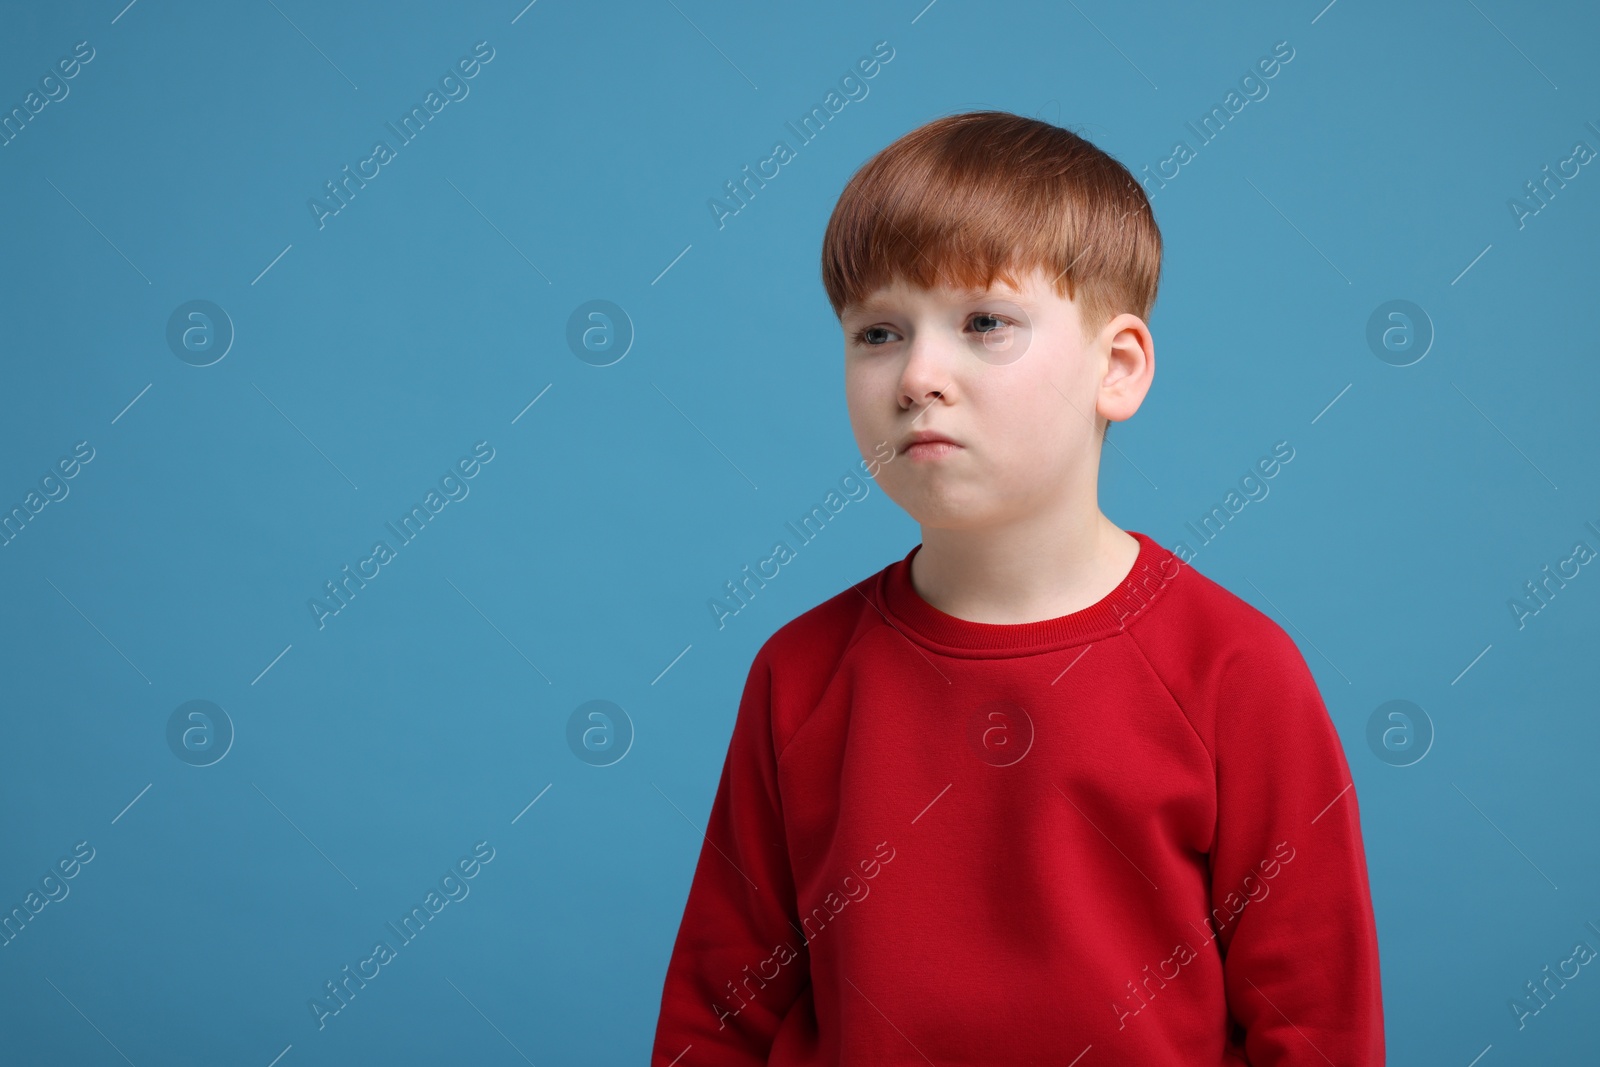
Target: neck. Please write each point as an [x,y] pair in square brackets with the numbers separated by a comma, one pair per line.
[1042,568]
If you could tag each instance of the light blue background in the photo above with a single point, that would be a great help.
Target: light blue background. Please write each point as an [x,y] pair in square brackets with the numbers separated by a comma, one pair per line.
[426,315]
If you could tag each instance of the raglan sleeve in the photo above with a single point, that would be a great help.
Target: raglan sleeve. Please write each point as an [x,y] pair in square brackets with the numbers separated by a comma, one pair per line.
[733,974]
[1291,906]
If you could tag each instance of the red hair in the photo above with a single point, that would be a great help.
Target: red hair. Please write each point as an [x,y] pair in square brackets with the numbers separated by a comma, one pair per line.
[980,195]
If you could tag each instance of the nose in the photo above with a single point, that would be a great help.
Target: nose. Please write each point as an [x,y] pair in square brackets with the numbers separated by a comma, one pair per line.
[928,374]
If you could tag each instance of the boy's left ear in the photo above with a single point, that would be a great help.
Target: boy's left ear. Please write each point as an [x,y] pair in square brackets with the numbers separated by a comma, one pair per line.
[1130,367]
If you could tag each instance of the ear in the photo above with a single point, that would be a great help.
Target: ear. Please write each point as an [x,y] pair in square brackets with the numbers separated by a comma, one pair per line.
[1130,359]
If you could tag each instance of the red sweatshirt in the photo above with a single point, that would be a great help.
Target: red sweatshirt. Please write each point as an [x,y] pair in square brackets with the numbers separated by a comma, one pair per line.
[1127,835]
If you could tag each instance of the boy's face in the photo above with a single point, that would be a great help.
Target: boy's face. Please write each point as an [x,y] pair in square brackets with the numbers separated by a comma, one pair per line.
[1008,376]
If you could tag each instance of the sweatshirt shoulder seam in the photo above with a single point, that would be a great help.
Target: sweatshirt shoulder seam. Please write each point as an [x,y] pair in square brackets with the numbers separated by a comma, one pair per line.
[1184,711]
[861,631]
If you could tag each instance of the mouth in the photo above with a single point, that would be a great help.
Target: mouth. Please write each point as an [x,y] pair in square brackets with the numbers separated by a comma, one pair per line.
[929,445]
[930,450]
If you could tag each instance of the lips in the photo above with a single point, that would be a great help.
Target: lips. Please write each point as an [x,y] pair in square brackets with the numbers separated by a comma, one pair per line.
[930,446]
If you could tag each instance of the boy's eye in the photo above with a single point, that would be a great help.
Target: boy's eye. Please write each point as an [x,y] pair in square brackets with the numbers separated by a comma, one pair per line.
[872,335]
[865,336]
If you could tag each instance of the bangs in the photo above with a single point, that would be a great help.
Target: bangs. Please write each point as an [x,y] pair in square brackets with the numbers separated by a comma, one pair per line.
[973,198]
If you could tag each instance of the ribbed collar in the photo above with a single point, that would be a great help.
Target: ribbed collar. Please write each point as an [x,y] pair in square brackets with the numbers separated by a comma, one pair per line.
[1154,569]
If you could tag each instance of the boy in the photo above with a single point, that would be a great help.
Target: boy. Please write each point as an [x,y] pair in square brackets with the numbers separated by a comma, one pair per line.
[1037,793]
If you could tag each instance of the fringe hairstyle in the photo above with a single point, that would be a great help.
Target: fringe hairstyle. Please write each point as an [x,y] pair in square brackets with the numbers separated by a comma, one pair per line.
[980,195]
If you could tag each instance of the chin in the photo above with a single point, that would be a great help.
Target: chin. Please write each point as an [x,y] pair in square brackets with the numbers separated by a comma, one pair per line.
[948,511]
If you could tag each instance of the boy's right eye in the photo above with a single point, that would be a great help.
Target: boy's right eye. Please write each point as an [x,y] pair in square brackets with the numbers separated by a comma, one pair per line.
[866,335]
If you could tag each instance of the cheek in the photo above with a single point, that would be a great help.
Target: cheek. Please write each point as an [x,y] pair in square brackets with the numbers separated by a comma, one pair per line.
[1038,417]
[855,394]
[865,405]
[1057,391]
[1035,401]
[870,388]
